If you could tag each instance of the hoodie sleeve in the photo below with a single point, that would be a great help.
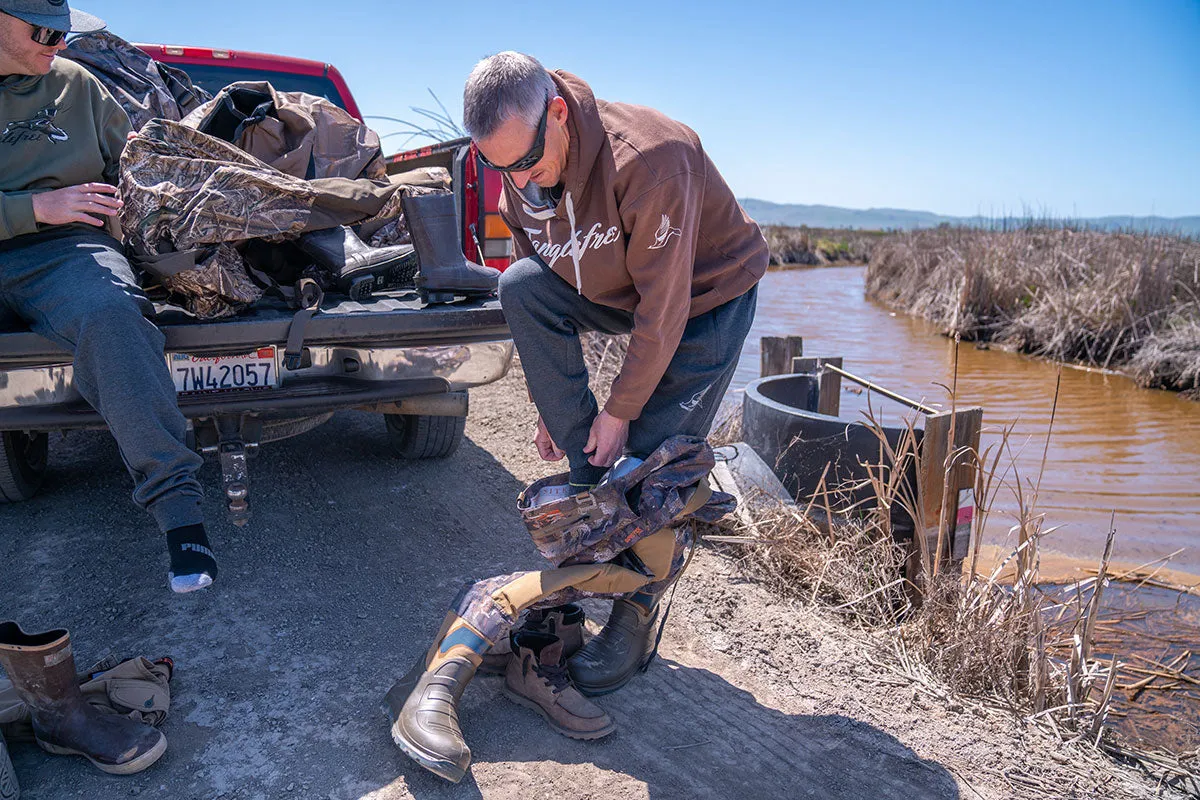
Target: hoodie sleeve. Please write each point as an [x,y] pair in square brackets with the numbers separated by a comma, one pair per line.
[660,255]
[112,130]
[16,215]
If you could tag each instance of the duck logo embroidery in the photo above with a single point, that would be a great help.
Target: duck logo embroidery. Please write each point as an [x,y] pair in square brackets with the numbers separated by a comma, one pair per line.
[30,130]
[662,237]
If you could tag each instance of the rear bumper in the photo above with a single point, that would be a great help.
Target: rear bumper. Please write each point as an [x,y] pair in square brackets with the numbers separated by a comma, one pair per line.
[44,398]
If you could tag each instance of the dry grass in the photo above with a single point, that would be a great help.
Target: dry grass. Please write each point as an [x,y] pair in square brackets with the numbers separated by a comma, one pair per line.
[818,246]
[1112,300]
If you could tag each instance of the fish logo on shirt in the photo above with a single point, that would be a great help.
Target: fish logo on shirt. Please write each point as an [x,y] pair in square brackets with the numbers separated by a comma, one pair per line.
[662,237]
[30,130]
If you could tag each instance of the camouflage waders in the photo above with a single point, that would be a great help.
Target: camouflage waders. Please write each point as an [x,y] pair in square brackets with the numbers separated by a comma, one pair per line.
[623,538]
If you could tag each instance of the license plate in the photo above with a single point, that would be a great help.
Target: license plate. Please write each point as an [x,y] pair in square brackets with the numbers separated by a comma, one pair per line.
[198,374]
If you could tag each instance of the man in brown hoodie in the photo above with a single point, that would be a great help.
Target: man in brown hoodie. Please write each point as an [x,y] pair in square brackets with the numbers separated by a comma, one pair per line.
[621,224]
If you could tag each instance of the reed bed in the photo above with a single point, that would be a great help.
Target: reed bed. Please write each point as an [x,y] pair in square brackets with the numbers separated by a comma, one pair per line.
[1111,300]
[819,246]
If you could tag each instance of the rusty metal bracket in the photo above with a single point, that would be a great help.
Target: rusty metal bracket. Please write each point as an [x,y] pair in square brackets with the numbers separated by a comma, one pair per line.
[233,438]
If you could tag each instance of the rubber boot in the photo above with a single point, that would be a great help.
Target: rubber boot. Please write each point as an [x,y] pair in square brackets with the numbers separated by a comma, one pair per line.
[565,622]
[42,671]
[537,679]
[622,648]
[358,269]
[423,705]
[445,272]
[9,788]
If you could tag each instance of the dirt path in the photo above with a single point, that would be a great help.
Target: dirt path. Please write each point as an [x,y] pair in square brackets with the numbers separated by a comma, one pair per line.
[338,584]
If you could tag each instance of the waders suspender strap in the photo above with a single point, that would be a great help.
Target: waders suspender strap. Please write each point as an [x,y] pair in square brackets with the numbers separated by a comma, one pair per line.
[308,297]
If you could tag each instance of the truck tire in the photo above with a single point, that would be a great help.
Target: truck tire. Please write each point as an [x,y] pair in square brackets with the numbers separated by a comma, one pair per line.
[416,436]
[23,459]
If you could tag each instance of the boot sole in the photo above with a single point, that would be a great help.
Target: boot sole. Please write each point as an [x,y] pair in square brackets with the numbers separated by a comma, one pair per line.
[438,766]
[128,768]
[570,734]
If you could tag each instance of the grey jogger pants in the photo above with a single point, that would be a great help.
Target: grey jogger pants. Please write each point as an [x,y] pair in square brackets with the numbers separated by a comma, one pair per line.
[546,316]
[75,288]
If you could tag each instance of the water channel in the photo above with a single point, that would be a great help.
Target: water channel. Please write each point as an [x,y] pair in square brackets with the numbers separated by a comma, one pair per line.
[1116,452]
[1115,449]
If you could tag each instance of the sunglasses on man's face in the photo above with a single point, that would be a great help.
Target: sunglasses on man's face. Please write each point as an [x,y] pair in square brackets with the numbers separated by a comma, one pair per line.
[47,37]
[535,153]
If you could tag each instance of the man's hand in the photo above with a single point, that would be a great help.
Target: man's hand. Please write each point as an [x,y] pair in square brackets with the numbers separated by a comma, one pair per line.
[546,447]
[87,203]
[606,441]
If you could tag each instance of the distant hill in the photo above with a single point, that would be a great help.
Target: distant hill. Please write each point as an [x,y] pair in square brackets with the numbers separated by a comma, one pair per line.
[795,214]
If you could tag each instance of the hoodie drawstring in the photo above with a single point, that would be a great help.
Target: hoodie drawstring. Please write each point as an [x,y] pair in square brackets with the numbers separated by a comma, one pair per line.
[547,214]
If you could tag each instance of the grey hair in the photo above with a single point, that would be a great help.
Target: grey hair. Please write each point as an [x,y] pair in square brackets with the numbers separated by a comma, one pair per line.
[504,86]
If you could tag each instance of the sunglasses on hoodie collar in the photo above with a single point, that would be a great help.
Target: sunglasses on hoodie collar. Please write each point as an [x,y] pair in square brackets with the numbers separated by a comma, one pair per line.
[47,37]
[535,153]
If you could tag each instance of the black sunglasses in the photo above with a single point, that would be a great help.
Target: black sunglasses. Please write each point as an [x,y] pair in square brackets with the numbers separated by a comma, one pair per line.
[535,153]
[47,36]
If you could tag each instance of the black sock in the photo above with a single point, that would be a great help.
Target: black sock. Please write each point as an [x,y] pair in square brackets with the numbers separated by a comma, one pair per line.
[585,478]
[191,557]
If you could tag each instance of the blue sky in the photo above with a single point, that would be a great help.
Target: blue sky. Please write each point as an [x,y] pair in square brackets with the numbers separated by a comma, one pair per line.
[1064,108]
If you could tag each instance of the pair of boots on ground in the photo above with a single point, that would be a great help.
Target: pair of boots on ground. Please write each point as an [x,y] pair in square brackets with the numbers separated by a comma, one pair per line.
[42,670]
[444,273]
[547,668]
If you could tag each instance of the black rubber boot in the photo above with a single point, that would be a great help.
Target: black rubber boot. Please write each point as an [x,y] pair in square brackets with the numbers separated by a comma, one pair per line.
[358,269]
[445,272]
[42,671]
[622,648]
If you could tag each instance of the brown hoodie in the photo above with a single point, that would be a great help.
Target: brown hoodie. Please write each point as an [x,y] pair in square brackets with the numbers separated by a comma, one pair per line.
[646,224]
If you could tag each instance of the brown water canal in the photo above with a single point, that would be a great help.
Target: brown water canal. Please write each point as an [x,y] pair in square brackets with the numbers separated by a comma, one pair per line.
[1114,449]
[1116,452]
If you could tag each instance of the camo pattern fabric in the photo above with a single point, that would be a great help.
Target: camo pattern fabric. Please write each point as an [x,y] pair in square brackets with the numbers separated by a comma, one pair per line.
[145,88]
[594,526]
[303,135]
[184,190]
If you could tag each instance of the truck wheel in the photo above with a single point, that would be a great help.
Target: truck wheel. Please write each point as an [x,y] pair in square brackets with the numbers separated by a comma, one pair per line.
[23,459]
[424,436]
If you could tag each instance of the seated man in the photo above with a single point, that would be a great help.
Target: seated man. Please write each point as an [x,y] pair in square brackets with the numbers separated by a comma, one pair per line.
[61,136]
[622,224]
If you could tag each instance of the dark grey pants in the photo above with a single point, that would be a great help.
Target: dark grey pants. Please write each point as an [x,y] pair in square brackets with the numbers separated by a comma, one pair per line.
[76,289]
[546,316]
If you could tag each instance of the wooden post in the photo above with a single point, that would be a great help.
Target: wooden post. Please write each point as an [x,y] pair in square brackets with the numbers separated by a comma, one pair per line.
[778,352]
[945,493]
[830,383]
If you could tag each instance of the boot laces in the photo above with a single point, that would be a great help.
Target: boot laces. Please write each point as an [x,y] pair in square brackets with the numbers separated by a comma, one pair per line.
[554,674]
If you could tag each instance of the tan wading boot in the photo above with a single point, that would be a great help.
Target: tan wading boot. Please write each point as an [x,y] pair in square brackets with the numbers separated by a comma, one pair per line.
[423,705]
[565,622]
[42,671]
[537,679]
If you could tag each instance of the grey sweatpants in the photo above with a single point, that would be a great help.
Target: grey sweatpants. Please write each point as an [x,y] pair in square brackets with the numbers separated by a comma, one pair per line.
[546,316]
[75,288]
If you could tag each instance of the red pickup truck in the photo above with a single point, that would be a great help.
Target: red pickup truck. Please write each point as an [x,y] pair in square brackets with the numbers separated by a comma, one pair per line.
[389,354]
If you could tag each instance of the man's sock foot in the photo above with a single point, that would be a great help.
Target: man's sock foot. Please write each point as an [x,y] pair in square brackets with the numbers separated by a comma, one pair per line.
[193,563]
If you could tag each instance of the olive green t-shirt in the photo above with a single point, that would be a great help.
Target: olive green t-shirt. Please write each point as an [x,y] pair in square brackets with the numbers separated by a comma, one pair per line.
[56,130]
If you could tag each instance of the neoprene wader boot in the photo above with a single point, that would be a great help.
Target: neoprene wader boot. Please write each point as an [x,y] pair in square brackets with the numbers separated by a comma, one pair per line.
[565,622]
[622,648]
[423,705]
[358,269]
[42,671]
[445,271]
[537,679]
[9,789]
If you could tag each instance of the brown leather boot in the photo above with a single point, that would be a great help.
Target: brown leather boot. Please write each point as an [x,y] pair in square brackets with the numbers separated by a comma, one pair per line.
[565,622]
[42,671]
[423,705]
[537,679]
